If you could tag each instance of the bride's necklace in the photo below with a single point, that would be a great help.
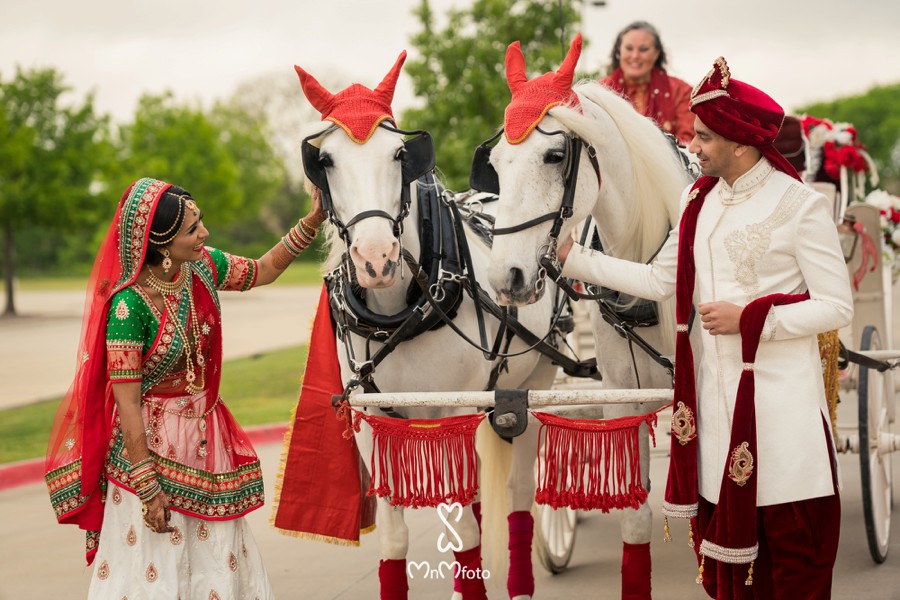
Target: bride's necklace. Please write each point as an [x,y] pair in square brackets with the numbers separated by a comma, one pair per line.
[170,291]
[168,288]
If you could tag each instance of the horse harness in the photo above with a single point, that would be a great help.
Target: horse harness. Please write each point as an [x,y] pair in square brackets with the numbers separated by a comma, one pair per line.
[442,274]
[624,313]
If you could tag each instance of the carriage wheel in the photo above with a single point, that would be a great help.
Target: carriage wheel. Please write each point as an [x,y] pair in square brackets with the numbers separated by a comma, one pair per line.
[875,466]
[554,536]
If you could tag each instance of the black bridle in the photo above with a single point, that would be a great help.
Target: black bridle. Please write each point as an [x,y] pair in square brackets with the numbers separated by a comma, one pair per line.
[624,320]
[416,159]
[484,178]
[439,277]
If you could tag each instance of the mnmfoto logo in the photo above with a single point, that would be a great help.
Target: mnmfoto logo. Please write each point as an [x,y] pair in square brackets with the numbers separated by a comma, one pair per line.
[447,541]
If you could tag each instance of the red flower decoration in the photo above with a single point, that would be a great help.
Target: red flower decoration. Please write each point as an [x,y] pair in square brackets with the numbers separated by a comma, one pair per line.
[894,216]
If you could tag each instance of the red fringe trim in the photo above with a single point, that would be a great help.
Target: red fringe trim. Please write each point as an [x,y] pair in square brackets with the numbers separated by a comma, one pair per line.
[591,464]
[424,462]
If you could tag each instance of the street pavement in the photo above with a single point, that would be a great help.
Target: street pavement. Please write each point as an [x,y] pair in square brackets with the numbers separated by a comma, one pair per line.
[41,560]
[38,348]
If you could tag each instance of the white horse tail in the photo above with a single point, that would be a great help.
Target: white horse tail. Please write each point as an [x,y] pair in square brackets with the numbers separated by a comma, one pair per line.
[496,462]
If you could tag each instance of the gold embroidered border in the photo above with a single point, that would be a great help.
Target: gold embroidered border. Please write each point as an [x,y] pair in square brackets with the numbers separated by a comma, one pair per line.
[707,96]
[732,556]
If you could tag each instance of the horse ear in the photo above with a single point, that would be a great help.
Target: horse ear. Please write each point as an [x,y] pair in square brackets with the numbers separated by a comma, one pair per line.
[385,89]
[318,96]
[566,72]
[515,67]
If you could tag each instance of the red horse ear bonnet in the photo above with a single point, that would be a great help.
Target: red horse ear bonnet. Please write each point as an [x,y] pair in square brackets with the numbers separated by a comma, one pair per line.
[357,109]
[531,100]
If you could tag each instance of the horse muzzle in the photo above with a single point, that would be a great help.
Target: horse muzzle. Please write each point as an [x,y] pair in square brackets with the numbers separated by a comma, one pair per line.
[511,288]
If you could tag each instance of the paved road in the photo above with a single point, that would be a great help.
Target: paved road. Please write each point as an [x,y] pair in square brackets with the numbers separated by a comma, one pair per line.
[41,560]
[37,349]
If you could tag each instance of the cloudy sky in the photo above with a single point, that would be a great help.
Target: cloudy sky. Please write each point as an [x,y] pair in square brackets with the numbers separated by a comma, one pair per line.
[797,50]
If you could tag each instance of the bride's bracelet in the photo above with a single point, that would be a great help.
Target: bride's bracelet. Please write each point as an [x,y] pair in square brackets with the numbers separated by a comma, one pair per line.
[308,229]
[144,481]
[149,490]
[298,238]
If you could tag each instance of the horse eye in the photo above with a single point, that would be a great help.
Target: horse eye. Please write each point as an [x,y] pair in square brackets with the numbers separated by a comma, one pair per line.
[325,161]
[401,153]
[553,157]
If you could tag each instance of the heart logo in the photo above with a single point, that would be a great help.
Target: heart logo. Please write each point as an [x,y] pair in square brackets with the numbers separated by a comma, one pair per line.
[444,511]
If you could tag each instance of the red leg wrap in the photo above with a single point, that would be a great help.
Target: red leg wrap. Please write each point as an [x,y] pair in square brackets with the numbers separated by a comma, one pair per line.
[476,510]
[471,577]
[392,575]
[520,581]
[635,571]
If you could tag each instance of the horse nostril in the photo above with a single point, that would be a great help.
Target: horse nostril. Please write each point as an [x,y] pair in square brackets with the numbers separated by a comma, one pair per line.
[516,278]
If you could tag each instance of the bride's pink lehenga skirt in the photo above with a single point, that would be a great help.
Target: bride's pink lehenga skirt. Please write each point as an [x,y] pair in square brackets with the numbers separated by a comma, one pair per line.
[218,479]
[211,477]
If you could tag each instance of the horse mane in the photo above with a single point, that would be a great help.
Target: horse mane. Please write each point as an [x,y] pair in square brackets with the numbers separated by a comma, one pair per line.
[657,175]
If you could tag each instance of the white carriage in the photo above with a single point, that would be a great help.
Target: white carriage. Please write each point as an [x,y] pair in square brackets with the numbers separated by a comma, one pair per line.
[832,160]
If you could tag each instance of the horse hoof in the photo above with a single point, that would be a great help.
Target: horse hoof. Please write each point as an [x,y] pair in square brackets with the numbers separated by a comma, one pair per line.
[456,596]
[521,598]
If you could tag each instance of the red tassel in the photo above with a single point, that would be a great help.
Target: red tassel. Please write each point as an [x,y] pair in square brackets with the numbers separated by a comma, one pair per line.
[869,253]
[424,462]
[591,464]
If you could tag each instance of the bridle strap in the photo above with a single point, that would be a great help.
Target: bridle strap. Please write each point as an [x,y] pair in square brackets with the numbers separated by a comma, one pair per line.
[568,200]
[526,224]
[405,200]
[373,213]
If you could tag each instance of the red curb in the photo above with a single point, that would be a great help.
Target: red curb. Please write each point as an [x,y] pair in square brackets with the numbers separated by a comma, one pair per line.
[21,473]
[26,472]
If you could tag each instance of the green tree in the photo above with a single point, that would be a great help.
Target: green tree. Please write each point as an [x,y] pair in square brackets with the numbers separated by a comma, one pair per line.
[460,72]
[876,116]
[52,153]
[276,100]
[221,156]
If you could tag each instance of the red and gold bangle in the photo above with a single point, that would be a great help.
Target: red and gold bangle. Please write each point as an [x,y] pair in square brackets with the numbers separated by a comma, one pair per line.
[293,246]
[149,492]
[300,234]
[308,229]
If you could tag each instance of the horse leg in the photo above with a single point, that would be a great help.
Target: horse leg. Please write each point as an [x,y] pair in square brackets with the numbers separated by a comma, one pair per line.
[469,575]
[393,536]
[520,487]
[636,531]
[457,575]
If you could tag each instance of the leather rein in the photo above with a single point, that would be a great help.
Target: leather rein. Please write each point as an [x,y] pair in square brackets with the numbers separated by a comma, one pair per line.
[440,277]
[623,316]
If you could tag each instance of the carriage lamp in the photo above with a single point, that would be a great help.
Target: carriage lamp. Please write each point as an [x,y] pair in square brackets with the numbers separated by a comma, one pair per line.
[848,238]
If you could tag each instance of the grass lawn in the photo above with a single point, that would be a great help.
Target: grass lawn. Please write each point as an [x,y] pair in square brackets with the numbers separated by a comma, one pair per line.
[258,390]
[299,273]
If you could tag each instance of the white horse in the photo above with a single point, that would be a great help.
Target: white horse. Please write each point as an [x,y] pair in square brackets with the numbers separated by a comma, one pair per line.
[364,180]
[633,208]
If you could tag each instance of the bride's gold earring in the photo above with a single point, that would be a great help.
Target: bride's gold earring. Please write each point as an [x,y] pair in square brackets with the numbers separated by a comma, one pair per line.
[166,261]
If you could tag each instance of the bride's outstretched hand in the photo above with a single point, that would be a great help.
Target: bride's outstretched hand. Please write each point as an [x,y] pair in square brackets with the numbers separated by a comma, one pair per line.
[316,215]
